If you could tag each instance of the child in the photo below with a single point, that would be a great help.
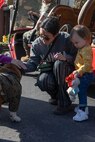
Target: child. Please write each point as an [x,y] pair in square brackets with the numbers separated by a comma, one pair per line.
[10,87]
[81,38]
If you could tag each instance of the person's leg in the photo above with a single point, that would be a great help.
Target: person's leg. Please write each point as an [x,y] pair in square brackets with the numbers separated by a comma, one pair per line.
[14,95]
[11,93]
[81,113]
[61,70]
[1,95]
[26,38]
[3,89]
[46,82]
[14,98]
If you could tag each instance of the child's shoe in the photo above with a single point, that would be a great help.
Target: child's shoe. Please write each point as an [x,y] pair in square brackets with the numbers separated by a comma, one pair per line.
[80,116]
[14,117]
[77,108]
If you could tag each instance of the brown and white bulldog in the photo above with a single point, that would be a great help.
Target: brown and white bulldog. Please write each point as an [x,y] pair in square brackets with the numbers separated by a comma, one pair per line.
[10,88]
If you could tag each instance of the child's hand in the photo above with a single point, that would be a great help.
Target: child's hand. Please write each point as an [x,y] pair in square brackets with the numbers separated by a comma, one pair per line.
[59,56]
[76,74]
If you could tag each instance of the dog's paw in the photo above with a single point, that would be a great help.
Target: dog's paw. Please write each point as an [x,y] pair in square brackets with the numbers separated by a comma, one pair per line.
[14,117]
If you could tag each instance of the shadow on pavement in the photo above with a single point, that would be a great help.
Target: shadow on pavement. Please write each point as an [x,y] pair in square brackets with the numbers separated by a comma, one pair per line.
[1,140]
[39,124]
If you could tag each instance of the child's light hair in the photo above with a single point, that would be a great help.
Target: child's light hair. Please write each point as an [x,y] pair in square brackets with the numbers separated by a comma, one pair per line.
[82,31]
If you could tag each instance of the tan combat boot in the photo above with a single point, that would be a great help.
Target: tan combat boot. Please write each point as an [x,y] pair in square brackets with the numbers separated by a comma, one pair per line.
[25,58]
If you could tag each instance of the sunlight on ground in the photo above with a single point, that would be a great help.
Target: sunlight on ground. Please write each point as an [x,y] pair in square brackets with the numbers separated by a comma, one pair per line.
[9,134]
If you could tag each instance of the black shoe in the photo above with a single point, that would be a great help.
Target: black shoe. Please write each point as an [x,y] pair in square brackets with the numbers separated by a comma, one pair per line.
[63,110]
[53,101]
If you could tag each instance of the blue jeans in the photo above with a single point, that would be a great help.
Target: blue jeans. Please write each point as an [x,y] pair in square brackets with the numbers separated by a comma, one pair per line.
[85,81]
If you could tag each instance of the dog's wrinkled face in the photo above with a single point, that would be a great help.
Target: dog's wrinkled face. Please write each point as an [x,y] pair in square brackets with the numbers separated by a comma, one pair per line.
[11,68]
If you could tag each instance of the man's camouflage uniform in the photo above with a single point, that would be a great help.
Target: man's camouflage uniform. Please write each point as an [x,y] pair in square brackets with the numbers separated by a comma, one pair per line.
[27,35]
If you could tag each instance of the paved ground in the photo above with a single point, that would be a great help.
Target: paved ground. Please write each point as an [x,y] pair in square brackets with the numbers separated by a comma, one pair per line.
[39,124]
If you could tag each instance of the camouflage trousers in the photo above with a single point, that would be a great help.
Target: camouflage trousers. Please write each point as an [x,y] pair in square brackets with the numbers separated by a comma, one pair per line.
[10,90]
[27,38]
